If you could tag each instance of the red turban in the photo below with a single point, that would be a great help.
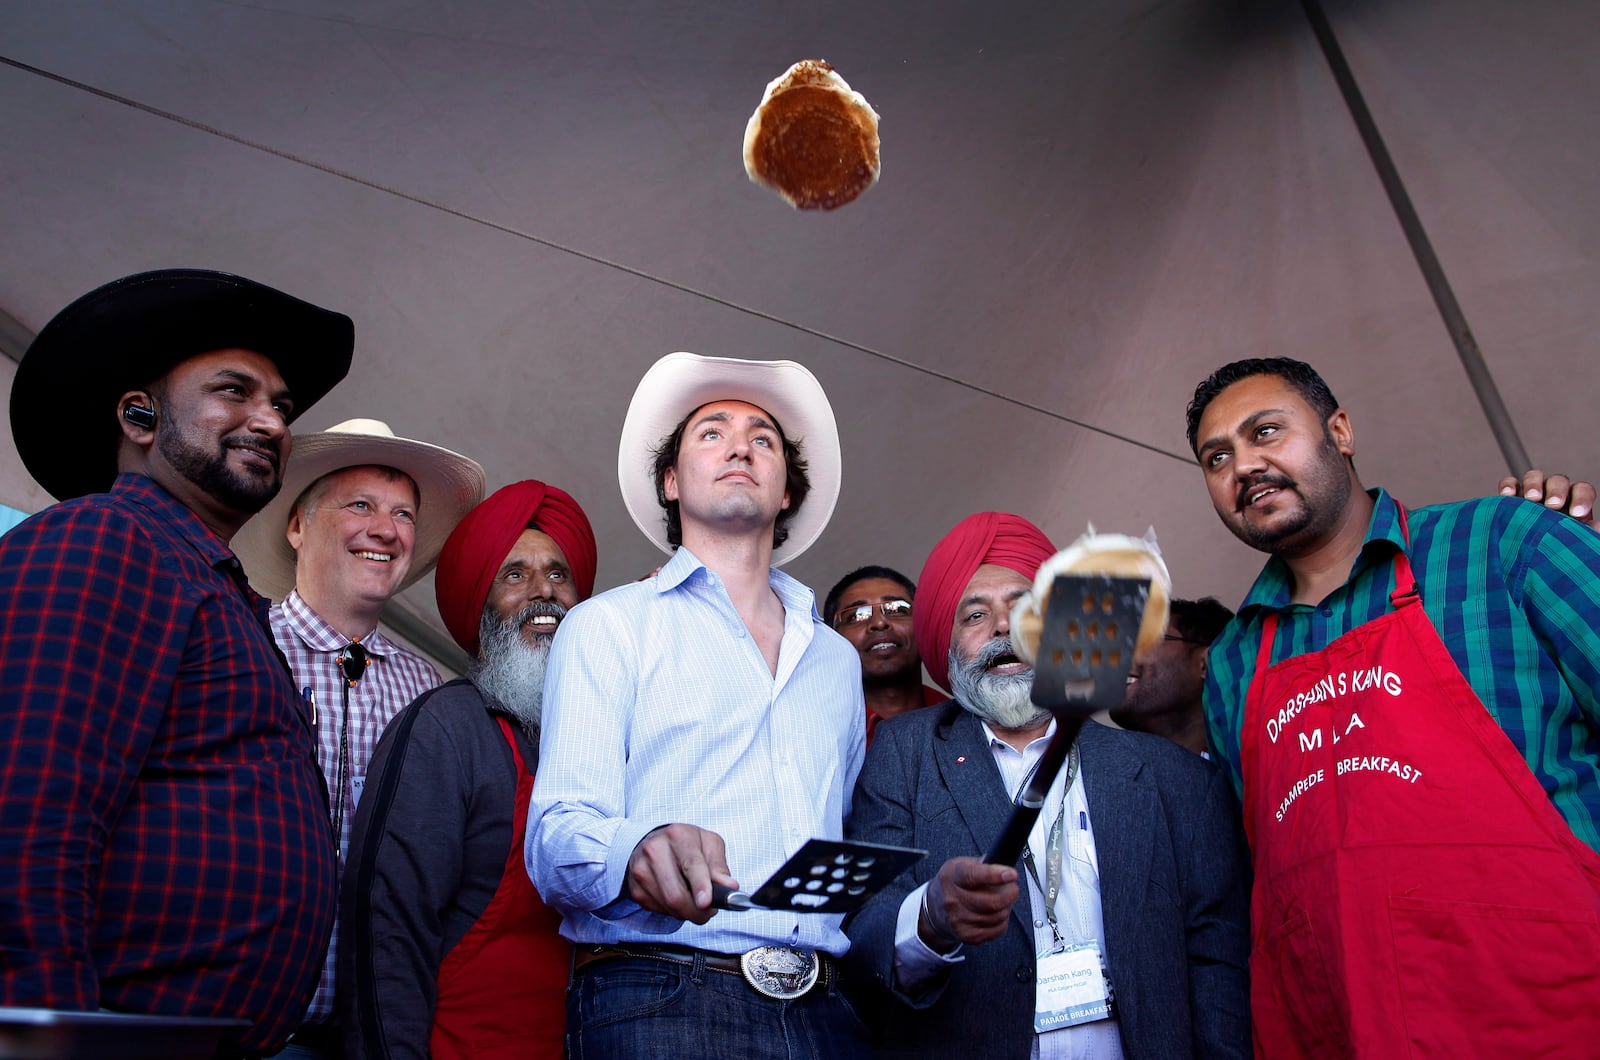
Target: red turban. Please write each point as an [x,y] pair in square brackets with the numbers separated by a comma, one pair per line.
[480,543]
[1008,541]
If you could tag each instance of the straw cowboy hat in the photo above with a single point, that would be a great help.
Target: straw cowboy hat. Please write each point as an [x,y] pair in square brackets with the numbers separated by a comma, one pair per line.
[448,483]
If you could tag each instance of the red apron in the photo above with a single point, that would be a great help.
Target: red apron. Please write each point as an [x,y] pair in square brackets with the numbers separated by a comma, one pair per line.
[502,988]
[1416,894]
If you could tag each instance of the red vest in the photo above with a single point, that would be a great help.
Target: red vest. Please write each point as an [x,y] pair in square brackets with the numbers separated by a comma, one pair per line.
[502,988]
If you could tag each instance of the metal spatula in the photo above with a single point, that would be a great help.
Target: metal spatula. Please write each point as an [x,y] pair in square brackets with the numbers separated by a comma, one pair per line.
[1085,651]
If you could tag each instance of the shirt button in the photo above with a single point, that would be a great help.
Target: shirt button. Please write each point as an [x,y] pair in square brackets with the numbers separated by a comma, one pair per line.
[1327,612]
[1025,973]
[1038,923]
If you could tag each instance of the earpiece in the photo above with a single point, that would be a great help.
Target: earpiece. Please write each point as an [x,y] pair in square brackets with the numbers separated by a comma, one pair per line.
[140,416]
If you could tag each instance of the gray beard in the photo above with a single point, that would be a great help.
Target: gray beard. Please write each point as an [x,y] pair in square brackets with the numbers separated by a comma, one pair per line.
[999,699]
[510,671]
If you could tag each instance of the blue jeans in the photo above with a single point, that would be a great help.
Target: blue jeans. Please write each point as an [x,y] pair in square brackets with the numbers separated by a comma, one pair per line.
[636,1007]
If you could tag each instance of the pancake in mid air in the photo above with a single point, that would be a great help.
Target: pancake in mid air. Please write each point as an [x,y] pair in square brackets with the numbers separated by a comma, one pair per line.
[1113,554]
[813,139]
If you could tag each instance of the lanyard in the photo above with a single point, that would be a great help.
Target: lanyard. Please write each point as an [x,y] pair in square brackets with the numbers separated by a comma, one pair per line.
[1051,886]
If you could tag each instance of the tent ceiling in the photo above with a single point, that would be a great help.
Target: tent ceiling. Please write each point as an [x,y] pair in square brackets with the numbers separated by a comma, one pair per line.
[1084,208]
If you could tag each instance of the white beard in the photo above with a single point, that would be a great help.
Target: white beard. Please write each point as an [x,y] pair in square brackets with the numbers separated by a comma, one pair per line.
[999,699]
[510,671]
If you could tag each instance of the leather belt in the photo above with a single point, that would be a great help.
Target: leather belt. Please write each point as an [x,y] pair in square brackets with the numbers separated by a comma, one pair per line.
[775,971]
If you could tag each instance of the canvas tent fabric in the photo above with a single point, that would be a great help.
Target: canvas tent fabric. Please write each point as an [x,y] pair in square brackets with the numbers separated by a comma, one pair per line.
[1083,210]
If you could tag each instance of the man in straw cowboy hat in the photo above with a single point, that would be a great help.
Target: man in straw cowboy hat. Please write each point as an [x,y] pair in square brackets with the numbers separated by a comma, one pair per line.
[362,516]
[162,819]
[449,951]
[699,726]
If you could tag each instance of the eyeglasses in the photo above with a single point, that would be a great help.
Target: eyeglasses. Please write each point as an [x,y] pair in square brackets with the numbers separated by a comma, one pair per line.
[854,616]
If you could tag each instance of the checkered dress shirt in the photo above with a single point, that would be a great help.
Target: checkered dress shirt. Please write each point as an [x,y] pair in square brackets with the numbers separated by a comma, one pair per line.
[394,678]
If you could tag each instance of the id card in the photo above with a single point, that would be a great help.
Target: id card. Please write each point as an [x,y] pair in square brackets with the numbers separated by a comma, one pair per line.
[1072,988]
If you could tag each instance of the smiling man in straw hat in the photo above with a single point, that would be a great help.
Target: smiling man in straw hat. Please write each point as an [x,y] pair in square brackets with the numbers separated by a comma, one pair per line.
[362,515]
[699,726]
[162,823]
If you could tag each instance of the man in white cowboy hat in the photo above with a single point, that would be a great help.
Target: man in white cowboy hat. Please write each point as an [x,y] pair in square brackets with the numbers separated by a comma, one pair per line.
[162,821]
[699,726]
[362,515]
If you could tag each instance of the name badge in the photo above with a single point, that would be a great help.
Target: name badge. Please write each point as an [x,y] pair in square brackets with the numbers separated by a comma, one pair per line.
[1072,988]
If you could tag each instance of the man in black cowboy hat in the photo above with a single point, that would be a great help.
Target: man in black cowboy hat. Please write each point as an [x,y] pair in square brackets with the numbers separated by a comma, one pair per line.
[161,813]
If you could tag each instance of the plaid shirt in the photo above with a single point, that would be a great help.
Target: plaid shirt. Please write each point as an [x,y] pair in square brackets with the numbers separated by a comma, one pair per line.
[162,822]
[1514,592]
[394,678]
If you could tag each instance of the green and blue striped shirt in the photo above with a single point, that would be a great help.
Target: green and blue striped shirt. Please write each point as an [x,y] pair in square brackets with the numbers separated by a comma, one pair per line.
[1514,592]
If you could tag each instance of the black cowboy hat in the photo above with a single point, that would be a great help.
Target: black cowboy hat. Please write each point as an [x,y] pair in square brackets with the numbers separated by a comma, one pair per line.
[129,334]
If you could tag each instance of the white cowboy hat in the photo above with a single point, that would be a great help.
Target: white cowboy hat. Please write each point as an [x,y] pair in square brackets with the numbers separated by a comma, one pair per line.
[679,383]
[449,484]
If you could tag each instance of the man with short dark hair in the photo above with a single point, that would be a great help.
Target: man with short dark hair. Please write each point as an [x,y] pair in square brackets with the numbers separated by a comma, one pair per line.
[449,951]
[699,727]
[871,608]
[1133,884]
[361,517]
[1407,701]
[162,820]
[1167,684]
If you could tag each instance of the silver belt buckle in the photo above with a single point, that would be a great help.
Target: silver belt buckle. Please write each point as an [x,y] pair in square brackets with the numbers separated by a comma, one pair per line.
[780,972]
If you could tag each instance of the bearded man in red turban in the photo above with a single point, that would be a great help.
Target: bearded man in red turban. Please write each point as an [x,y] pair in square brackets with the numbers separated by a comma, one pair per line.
[451,951]
[1134,875]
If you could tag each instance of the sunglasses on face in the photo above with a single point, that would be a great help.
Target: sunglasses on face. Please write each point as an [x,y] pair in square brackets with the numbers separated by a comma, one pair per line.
[854,616]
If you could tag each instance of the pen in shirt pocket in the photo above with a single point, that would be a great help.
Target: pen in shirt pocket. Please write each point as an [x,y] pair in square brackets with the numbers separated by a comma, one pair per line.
[311,701]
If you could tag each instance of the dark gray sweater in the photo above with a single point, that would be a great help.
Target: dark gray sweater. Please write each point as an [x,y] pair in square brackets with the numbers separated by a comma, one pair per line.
[427,850]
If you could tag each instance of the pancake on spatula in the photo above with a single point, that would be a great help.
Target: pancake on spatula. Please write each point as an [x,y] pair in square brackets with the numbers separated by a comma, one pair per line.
[1113,554]
[813,139]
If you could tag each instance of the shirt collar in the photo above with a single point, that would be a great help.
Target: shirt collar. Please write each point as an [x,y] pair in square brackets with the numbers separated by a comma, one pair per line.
[684,564]
[1274,586]
[174,515]
[319,636]
[996,743]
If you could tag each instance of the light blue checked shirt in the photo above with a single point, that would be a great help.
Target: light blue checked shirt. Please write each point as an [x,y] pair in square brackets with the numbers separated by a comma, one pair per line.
[659,708]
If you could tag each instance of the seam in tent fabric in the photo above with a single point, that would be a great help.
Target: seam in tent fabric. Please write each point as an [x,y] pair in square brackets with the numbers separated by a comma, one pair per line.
[589,257]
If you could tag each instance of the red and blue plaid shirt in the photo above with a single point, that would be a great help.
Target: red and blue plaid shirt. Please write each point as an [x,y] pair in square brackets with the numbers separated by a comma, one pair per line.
[163,824]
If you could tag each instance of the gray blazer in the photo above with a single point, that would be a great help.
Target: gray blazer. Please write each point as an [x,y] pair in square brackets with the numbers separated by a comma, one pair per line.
[1174,883]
